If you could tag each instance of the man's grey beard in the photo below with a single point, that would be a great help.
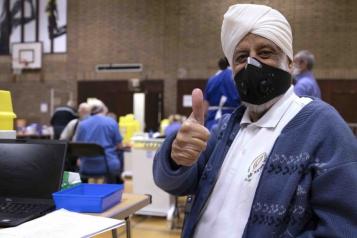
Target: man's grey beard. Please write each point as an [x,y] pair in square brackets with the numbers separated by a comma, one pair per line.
[262,108]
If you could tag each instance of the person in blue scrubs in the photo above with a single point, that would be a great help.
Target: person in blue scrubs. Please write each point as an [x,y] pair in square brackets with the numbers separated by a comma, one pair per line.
[102,130]
[221,95]
[305,82]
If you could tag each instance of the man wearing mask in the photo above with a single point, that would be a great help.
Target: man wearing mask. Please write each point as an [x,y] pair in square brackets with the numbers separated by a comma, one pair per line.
[305,82]
[275,167]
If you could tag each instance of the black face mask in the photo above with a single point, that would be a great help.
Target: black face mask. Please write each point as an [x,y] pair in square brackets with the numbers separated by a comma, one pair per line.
[258,83]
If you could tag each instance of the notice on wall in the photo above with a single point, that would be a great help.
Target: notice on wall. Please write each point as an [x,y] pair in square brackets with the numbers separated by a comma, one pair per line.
[43,107]
[187,100]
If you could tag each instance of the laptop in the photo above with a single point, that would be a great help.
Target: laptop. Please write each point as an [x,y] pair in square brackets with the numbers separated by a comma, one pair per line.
[30,171]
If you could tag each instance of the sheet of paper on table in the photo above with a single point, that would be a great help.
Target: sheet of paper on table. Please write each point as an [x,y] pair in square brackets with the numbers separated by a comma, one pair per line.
[62,223]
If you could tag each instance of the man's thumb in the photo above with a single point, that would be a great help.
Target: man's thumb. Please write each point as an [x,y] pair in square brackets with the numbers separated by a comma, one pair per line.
[197,106]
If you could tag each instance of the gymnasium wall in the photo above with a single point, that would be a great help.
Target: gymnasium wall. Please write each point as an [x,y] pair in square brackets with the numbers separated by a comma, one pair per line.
[174,40]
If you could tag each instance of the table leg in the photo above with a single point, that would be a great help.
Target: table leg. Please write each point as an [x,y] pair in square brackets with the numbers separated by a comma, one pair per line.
[128,228]
[114,233]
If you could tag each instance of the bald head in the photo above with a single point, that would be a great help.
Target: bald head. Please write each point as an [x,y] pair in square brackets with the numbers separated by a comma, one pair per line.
[84,110]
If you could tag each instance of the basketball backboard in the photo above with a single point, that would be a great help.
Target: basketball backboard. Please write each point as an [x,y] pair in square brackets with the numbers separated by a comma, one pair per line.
[27,55]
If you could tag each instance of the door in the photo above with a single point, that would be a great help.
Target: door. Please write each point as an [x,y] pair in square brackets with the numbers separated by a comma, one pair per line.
[184,88]
[115,95]
[118,96]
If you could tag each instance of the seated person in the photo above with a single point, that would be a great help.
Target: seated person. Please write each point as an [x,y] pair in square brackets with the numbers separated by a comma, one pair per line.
[104,131]
[69,131]
[61,117]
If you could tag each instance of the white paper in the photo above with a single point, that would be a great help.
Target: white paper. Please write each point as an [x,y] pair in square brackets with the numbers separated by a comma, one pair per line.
[187,101]
[44,107]
[62,223]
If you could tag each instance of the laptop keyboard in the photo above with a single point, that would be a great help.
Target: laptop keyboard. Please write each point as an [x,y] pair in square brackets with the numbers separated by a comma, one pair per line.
[19,208]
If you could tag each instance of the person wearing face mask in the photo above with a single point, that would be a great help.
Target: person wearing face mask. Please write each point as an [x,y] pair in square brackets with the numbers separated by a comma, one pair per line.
[275,167]
[305,82]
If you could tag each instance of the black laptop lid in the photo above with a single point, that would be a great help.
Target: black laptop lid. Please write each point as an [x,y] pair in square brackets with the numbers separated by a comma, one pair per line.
[31,168]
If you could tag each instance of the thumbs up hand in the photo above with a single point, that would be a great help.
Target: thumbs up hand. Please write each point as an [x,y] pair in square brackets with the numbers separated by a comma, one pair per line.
[192,137]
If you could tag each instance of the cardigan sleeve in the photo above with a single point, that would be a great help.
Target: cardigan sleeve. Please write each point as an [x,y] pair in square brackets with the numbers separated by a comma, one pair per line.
[182,180]
[333,200]
[334,187]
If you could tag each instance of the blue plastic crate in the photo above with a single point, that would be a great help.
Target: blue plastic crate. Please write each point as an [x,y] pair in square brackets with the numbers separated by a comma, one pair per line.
[89,197]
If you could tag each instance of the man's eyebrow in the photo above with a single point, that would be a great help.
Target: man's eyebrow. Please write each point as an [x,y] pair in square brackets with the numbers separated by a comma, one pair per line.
[240,50]
[267,45]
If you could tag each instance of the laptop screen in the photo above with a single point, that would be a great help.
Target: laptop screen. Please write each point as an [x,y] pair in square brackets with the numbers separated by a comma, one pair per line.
[31,168]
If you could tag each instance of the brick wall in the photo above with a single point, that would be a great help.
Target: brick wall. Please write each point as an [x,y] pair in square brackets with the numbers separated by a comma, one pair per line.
[173,39]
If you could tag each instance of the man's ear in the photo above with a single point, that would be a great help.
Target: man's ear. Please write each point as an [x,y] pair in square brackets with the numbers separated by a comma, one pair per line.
[291,65]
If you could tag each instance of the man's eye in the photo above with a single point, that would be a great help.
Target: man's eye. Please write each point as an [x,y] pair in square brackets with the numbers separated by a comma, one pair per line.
[265,53]
[241,59]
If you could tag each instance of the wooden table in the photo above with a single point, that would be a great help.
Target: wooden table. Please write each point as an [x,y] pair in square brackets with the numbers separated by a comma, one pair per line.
[129,204]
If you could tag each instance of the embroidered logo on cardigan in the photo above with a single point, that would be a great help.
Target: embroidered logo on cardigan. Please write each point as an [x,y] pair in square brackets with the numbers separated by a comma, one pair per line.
[256,166]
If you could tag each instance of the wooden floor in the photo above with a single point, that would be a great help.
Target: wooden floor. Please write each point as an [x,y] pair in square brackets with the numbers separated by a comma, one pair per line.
[145,226]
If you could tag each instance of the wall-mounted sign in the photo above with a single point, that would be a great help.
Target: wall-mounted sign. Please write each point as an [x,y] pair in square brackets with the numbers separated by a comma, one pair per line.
[187,100]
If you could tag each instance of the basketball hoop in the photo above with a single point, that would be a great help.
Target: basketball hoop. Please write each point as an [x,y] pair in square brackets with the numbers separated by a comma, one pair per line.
[25,63]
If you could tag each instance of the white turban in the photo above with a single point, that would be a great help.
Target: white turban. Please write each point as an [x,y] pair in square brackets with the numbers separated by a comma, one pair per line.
[241,19]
